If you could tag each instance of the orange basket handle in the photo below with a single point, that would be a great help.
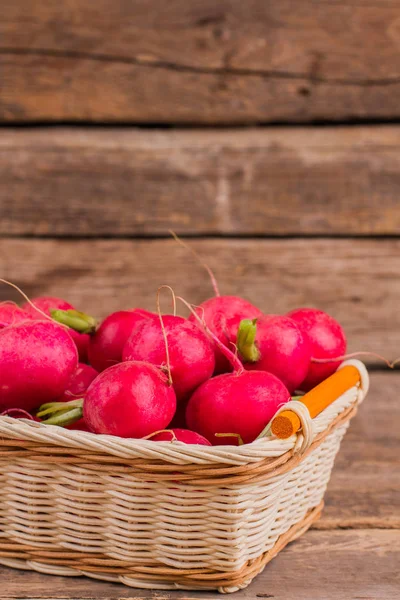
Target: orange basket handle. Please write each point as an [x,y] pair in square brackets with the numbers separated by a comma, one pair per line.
[287,422]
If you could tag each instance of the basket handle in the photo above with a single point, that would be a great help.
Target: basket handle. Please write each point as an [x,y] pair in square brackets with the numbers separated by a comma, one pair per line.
[298,414]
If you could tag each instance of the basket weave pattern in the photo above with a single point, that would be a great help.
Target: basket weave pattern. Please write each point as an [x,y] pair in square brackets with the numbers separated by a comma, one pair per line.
[160,515]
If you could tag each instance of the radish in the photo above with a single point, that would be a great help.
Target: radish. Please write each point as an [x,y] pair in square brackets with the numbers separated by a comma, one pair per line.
[240,403]
[11,314]
[79,382]
[236,407]
[107,344]
[45,304]
[77,386]
[191,353]
[79,426]
[179,435]
[37,360]
[179,420]
[275,344]
[222,315]
[129,400]
[327,340]
[82,344]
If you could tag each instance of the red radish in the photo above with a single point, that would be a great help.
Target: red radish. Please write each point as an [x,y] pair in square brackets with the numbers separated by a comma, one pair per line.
[11,314]
[327,340]
[129,400]
[77,386]
[241,403]
[79,426]
[79,382]
[37,360]
[47,303]
[179,435]
[191,353]
[107,344]
[275,344]
[82,344]
[179,420]
[222,316]
[43,304]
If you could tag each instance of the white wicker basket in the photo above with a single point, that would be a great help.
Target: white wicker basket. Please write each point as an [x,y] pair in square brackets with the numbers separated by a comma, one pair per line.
[161,515]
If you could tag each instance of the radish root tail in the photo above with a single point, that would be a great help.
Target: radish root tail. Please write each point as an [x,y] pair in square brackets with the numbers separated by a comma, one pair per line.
[199,259]
[168,287]
[323,361]
[151,435]
[233,359]
[26,298]
[164,332]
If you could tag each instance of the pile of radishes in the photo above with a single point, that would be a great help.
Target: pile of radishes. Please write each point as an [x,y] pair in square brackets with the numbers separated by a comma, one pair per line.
[216,377]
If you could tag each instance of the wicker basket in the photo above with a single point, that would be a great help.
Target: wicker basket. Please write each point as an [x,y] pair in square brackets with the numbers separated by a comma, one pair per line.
[162,515]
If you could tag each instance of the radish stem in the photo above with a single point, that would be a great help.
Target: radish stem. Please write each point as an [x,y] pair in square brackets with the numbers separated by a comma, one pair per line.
[65,419]
[245,340]
[74,319]
[62,413]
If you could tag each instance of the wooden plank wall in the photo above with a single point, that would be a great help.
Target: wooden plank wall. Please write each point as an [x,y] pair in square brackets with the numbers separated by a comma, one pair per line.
[224,61]
[266,131]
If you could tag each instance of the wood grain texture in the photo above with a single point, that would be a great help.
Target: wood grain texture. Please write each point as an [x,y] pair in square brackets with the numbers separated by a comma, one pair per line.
[328,565]
[284,181]
[228,62]
[364,490]
[354,280]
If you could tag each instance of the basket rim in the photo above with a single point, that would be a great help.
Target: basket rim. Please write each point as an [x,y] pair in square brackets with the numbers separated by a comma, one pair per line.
[23,432]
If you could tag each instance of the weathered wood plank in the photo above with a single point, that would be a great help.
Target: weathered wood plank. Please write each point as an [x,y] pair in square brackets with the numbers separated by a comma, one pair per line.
[50,88]
[364,490]
[280,181]
[355,280]
[199,62]
[334,565]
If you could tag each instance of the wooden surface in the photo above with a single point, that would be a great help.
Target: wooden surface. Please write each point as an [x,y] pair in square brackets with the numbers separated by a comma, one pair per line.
[125,182]
[355,280]
[322,565]
[208,62]
[353,553]
[364,491]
